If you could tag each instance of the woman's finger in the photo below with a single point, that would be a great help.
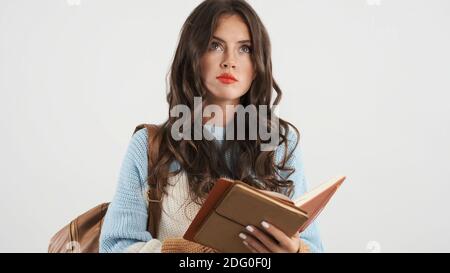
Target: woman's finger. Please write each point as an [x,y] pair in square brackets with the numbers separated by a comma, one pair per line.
[285,241]
[253,242]
[252,249]
[268,242]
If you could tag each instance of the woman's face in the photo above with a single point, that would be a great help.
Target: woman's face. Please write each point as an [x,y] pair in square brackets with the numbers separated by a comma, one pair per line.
[229,51]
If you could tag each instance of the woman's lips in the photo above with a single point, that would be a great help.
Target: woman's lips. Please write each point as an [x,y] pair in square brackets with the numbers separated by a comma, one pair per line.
[226,80]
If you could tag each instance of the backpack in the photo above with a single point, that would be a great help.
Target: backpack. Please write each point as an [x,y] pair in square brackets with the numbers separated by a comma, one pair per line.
[82,234]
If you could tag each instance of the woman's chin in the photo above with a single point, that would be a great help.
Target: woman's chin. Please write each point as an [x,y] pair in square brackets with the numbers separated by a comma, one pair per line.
[227,95]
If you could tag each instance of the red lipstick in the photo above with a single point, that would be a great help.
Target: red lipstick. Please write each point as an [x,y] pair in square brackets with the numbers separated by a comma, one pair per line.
[226,78]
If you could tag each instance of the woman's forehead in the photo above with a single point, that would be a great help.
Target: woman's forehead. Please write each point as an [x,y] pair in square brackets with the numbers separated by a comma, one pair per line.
[231,28]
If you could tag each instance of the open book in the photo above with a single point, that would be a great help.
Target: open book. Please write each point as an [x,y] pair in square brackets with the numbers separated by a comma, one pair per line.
[232,205]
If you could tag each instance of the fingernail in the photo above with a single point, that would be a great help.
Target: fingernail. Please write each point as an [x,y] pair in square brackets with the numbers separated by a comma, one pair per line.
[243,236]
[250,228]
[265,224]
[245,243]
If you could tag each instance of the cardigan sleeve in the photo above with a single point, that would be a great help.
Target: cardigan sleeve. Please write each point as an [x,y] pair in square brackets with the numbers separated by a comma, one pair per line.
[125,223]
[310,235]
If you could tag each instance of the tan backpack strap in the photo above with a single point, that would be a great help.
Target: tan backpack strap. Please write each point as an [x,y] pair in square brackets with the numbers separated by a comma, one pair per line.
[154,194]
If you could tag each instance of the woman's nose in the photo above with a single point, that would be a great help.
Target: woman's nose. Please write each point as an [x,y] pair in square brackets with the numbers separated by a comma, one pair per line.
[229,61]
[228,64]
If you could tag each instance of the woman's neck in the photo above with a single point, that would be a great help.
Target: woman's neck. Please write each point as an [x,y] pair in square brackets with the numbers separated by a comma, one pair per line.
[223,120]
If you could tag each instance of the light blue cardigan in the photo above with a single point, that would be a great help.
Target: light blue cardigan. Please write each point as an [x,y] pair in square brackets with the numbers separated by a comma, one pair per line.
[125,222]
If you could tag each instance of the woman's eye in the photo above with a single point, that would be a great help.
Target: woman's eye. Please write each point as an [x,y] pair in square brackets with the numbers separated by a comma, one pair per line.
[217,46]
[214,46]
[246,49]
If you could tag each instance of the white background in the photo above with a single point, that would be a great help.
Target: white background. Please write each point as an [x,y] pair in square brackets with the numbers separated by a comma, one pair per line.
[365,81]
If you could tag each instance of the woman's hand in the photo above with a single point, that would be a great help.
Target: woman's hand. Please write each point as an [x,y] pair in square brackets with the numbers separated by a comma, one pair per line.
[259,242]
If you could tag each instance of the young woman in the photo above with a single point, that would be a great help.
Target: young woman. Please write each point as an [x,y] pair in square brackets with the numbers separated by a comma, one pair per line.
[223,58]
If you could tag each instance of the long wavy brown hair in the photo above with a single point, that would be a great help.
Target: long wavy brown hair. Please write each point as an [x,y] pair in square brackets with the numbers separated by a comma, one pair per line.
[203,160]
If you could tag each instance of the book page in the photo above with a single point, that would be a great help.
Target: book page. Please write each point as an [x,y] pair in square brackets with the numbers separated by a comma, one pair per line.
[332,184]
[276,194]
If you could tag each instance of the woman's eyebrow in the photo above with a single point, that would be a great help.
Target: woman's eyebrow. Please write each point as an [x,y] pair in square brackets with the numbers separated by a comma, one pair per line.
[240,42]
